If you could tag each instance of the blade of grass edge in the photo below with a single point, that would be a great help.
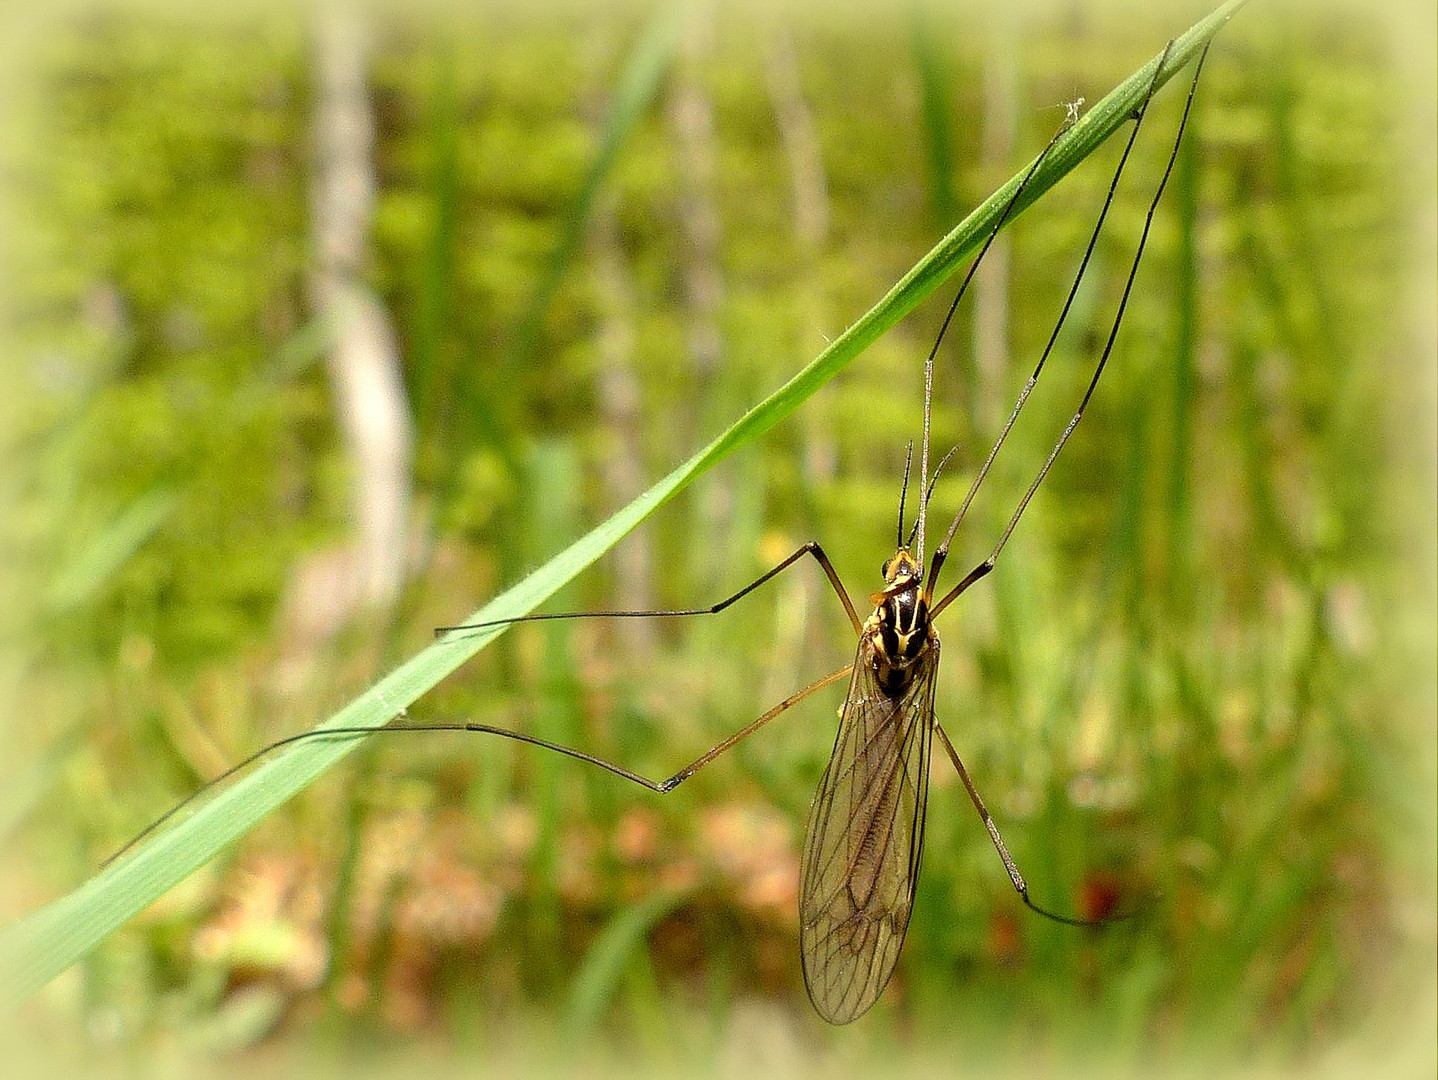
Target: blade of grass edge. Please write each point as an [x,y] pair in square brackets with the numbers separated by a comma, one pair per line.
[40,946]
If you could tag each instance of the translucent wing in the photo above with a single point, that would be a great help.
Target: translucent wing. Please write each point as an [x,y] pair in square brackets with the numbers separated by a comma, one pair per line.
[865,835]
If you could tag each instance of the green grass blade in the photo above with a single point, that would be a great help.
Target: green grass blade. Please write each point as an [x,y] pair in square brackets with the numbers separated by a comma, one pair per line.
[604,963]
[432,363]
[637,87]
[107,553]
[23,789]
[1184,386]
[935,94]
[40,946]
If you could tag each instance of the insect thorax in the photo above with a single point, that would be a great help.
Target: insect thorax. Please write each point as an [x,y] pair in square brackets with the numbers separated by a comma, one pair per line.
[899,629]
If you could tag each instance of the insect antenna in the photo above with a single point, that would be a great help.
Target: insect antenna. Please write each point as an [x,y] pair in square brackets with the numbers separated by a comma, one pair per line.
[929,492]
[904,491]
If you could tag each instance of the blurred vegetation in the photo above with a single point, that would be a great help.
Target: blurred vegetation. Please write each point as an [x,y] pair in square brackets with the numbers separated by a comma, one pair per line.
[1199,681]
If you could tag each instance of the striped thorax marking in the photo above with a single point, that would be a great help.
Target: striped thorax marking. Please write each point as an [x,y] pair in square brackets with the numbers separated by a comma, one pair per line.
[899,627]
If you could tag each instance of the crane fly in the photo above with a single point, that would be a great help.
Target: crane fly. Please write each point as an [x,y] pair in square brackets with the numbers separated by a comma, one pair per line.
[865,833]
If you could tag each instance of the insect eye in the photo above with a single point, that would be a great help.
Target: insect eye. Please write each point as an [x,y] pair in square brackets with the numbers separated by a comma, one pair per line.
[884,570]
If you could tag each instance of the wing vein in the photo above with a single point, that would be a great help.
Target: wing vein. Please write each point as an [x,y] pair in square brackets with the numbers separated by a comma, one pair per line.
[863,847]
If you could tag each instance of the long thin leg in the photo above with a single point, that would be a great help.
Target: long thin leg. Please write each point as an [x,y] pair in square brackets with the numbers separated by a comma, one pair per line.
[661,786]
[988,564]
[943,549]
[1017,878]
[811,548]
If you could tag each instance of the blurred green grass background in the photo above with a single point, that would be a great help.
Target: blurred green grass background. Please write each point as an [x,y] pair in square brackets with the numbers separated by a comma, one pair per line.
[1202,674]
